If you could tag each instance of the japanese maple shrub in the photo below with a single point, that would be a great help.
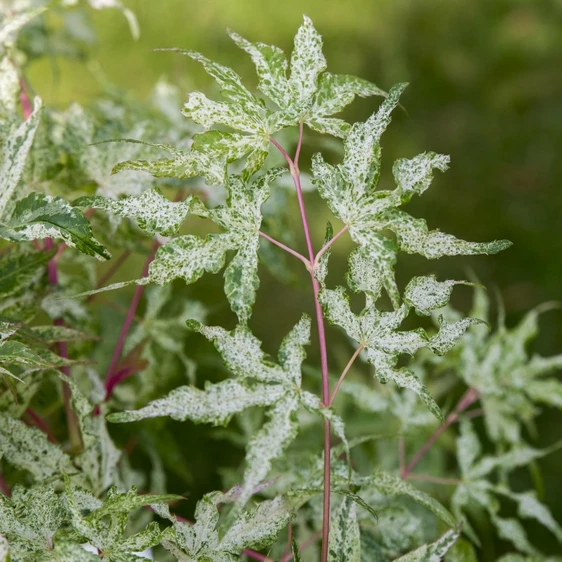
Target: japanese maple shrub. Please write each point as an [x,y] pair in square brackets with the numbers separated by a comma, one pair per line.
[71,494]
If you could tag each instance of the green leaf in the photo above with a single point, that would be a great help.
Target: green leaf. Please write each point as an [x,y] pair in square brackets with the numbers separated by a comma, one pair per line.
[433,552]
[27,448]
[43,216]
[152,211]
[344,545]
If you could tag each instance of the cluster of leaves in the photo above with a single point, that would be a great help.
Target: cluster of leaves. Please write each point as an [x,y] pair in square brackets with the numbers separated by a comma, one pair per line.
[77,500]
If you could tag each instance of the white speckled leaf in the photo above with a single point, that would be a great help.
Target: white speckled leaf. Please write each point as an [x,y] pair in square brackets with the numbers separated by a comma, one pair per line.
[269,443]
[152,211]
[271,66]
[27,448]
[414,176]
[433,552]
[362,152]
[99,456]
[241,280]
[15,150]
[216,404]
[257,528]
[529,507]
[14,21]
[426,294]
[29,520]
[9,89]
[383,342]
[336,91]
[511,530]
[307,62]
[415,238]
[449,334]
[105,523]
[40,216]
[345,544]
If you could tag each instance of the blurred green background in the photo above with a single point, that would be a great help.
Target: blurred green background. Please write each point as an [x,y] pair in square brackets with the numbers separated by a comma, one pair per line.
[485,87]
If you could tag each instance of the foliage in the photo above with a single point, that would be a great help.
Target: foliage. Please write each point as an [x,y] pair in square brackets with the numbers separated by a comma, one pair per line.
[80,181]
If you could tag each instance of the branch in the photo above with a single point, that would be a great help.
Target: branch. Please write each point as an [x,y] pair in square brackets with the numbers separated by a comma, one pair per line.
[468,398]
[345,371]
[286,248]
[295,173]
[328,244]
[71,419]
[128,321]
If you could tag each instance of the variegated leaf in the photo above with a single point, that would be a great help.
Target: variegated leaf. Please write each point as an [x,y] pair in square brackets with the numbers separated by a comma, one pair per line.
[345,545]
[152,211]
[40,216]
[433,552]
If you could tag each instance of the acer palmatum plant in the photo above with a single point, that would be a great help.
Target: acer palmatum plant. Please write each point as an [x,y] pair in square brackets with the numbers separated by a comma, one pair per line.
[69,493]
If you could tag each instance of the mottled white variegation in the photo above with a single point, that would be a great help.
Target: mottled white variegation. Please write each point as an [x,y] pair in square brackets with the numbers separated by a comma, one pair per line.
[433,552]
[255,528]
[152,211]
[350,191]
[378,332]
[16,143]
[345,545]
[259,382]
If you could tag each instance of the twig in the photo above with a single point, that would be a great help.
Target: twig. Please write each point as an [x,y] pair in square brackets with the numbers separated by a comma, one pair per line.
[328,244]
[71,419]
[38,422]
[345,371]
[4,488]
[128,320]
[468,398]
[286,248]
[295,174]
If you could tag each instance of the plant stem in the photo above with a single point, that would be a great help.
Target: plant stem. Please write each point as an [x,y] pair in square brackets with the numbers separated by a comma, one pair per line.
[286,248]
[71,419]
[468,398]
[38,422]
[328,244]
[26,106]
[4,488]
[345,371]
[295,173]
[128,320]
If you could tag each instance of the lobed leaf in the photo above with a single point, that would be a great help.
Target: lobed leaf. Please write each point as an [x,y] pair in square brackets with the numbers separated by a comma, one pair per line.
[152,211]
